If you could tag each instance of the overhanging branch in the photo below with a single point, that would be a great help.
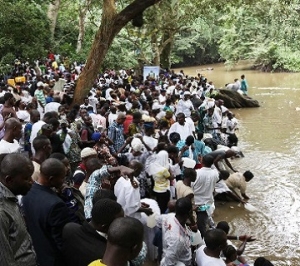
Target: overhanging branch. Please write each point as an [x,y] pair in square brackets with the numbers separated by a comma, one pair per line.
[132,10]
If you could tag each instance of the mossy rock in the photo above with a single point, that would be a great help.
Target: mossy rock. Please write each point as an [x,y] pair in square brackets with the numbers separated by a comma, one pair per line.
[233,99]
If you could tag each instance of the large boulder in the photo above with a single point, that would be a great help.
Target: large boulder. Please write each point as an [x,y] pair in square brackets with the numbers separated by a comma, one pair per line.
[233,99]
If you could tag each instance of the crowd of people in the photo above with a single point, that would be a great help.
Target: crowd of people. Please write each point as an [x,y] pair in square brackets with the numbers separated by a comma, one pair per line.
[130,175]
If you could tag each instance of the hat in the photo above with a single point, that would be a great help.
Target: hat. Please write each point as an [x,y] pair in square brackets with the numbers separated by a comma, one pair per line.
[40,84]
[137,145]
[186,93]
[148,124]
[188,163]
[86,152]
[96,136]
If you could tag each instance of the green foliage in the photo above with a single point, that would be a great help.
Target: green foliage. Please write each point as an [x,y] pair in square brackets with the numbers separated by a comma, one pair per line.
[24,29]
[266,32]
[174,31]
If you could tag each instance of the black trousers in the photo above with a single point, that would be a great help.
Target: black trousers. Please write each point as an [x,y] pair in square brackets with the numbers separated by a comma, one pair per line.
[202,222]
[162,200]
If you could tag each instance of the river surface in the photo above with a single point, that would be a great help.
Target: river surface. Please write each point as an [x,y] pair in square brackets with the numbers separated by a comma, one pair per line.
[270,140]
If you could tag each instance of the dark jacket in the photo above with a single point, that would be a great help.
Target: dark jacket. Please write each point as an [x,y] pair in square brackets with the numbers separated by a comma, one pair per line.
[82,244]
[46,215]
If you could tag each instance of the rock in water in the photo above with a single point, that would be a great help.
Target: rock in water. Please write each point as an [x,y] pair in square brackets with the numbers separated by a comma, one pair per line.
[233,99]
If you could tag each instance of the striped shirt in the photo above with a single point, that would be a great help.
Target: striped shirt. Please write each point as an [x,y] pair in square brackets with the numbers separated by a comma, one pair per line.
[115,133]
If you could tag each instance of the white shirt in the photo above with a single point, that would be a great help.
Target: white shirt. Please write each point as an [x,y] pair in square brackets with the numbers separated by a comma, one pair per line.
[184,107]
[35,129]
[8,147]
[111,118]
[204,186]
[150,141]
[176,241]
[184,131]
[204,260]
[128,197]
[52,107]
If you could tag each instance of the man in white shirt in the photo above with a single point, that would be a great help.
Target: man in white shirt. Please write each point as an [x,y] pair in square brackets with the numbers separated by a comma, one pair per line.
[183,128]
[13,132]
[127,192]
[209,255]
[203,188]
[175,234]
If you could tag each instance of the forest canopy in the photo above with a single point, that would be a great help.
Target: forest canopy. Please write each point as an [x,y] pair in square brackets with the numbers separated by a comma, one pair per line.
[169,33]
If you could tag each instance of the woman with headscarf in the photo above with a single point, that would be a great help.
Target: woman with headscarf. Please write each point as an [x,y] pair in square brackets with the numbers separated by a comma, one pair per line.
[158,167]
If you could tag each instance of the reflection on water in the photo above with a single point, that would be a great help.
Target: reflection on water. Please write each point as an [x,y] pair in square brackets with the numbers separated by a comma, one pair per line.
[270,140]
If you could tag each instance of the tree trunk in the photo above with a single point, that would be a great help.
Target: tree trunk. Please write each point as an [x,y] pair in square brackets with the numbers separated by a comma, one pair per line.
[83,9]
[166,52]
[52,15]
[111,24]
[81,33]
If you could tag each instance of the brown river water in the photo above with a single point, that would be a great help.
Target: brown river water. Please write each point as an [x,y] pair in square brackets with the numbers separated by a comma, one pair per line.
[270,140]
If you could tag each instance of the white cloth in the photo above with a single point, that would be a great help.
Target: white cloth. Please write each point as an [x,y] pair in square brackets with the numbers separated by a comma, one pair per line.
[184,131]
[204,186]
[176,241]
[111,118]
[82,188]
[52,107]
[36,127]
[184,107]
[128,197]
[150,142]
[204,260]
[8,147]
[23,115]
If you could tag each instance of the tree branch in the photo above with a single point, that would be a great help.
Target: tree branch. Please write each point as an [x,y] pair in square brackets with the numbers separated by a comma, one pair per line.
[132,10]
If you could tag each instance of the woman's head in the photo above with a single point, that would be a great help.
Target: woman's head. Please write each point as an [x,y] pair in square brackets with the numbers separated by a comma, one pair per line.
[261,261]
[230,253]
[174,137]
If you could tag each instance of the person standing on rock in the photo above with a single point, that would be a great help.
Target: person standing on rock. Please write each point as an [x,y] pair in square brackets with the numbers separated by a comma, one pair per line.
[244,85]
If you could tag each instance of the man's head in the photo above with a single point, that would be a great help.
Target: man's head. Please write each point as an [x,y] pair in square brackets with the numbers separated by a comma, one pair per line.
[173,153]
[13,127]
[136,166]
[136,117]
[207,160]
[53,173]
[47,130]
[180,118]
[190,173]
[87,120]
[248,176]
[42,144]
[104,194]
[223,175]
[120,119]
[92,164]
[183,208]
[35,116]
[15,173]
[120,237]
[64,159]
[215,240]
[104,211]
[87,153]
[189,140]
[223,225]
[9,99]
